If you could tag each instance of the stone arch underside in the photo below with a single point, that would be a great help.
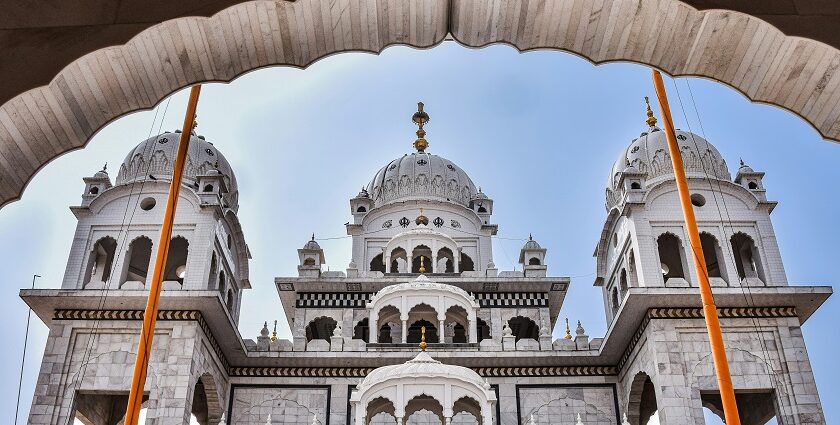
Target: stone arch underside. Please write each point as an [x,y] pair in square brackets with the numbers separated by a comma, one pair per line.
[736,49]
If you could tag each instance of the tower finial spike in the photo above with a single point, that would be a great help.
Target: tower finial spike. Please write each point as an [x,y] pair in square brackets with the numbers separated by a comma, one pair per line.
[568,330]
[651,120]
[420,118]
[105,167]
[313,236]
[423,338]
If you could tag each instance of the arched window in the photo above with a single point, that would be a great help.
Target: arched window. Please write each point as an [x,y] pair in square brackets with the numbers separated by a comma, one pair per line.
[222,281]
[712,254]
[101,260]
[670,256]
[482,209]
[622,282]
[377,265]
[385,334]
[445,261]
[635,185]
[176,260]
[466,263]
[137,265]
[534,261]
[93,190]
[231,301]
[421,259]
[399,261]
[642,405]
[309,262]
[483,330]
[211,278]
[415,330]
[362,331]
[615,301]
[747,260]
[523,327]
[321,328]
[752,185]
[208,188]
[361,209]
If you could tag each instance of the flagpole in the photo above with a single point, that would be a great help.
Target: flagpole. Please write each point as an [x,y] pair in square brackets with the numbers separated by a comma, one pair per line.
[144,347]
[724,379]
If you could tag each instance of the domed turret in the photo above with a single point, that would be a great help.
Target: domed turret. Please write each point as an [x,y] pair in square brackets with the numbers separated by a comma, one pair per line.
[648,154]
[155,157]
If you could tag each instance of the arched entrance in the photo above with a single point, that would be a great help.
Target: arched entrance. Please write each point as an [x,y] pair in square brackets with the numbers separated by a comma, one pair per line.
[43,123]
[642,404]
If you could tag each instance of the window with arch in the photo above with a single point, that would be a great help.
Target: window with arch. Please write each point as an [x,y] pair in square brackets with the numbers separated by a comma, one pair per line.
[534,261]
[747,260]
[138,257]
[622,282]
[309,262]
[615,301]
[176,260]
[93,190]
[466,263]
[712,254]
[321,328]
[399,261]
[635,185]
[208,188]
[421,259]
[214,267]
[446,261]
[361,209]
[377,264]
[670,256]
[483,330]
[229,241]
[523,327]
[101,260]
[362,330]
[752,185]
[231,301]
[222,282]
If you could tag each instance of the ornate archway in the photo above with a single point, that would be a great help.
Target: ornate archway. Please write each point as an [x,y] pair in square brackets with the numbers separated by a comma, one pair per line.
[734,48]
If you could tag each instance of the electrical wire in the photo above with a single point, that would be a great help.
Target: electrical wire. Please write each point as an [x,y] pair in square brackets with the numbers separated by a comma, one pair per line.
[23,356]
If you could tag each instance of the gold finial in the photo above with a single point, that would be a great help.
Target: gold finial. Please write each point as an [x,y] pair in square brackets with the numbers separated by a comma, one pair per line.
[651,121]
[422,335]
[421,219]
[568,330]
[274,333]
[195,123]
[420,118]
[422,267]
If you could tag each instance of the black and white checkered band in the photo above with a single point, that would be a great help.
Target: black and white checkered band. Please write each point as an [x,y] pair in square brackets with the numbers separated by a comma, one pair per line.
[332,299]
[511,299]
[360,299]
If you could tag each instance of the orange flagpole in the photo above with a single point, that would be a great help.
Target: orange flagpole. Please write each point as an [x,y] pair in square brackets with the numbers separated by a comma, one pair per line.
[724,379]
[144,348]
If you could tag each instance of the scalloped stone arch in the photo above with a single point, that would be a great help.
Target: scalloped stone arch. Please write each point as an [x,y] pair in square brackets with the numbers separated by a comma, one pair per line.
[734,48]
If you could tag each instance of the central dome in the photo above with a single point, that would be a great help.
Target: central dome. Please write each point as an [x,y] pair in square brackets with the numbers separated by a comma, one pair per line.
[421,175]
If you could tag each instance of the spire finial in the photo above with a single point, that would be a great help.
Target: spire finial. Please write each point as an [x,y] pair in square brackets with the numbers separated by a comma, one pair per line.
[313,236]
[105,167]
[742,161]
[651,121]
[274,333]
[194,124]
[530,236]
[568,330]
[420,118]
[422,336]
[422,268]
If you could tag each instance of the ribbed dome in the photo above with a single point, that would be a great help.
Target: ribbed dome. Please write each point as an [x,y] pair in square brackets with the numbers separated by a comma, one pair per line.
[421,366]
[156,156]
[421,175]
[649,154]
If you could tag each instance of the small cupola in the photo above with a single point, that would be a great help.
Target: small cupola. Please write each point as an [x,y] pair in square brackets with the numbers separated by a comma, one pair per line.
[532,258]
[751,180]
[211,186]
[311,258]
[360,205]
[95,185]
[481,204]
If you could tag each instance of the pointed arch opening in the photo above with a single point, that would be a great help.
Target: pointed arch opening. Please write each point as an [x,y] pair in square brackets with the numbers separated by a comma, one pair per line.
[671,257]
[321,328]
[176,260]
[137,261]
[377,264]
[642,404]
[523,327]
[747,259]
[100,261]
[362,330]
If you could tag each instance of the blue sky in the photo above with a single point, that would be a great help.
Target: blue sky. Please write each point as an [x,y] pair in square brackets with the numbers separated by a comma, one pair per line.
[537,131]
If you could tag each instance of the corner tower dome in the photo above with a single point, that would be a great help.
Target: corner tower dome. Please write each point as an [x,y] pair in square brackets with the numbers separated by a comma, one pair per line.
[155,156]
[421,175]
[648,154]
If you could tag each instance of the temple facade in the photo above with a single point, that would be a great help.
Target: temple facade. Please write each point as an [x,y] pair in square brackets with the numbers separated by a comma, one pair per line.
[422,327]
